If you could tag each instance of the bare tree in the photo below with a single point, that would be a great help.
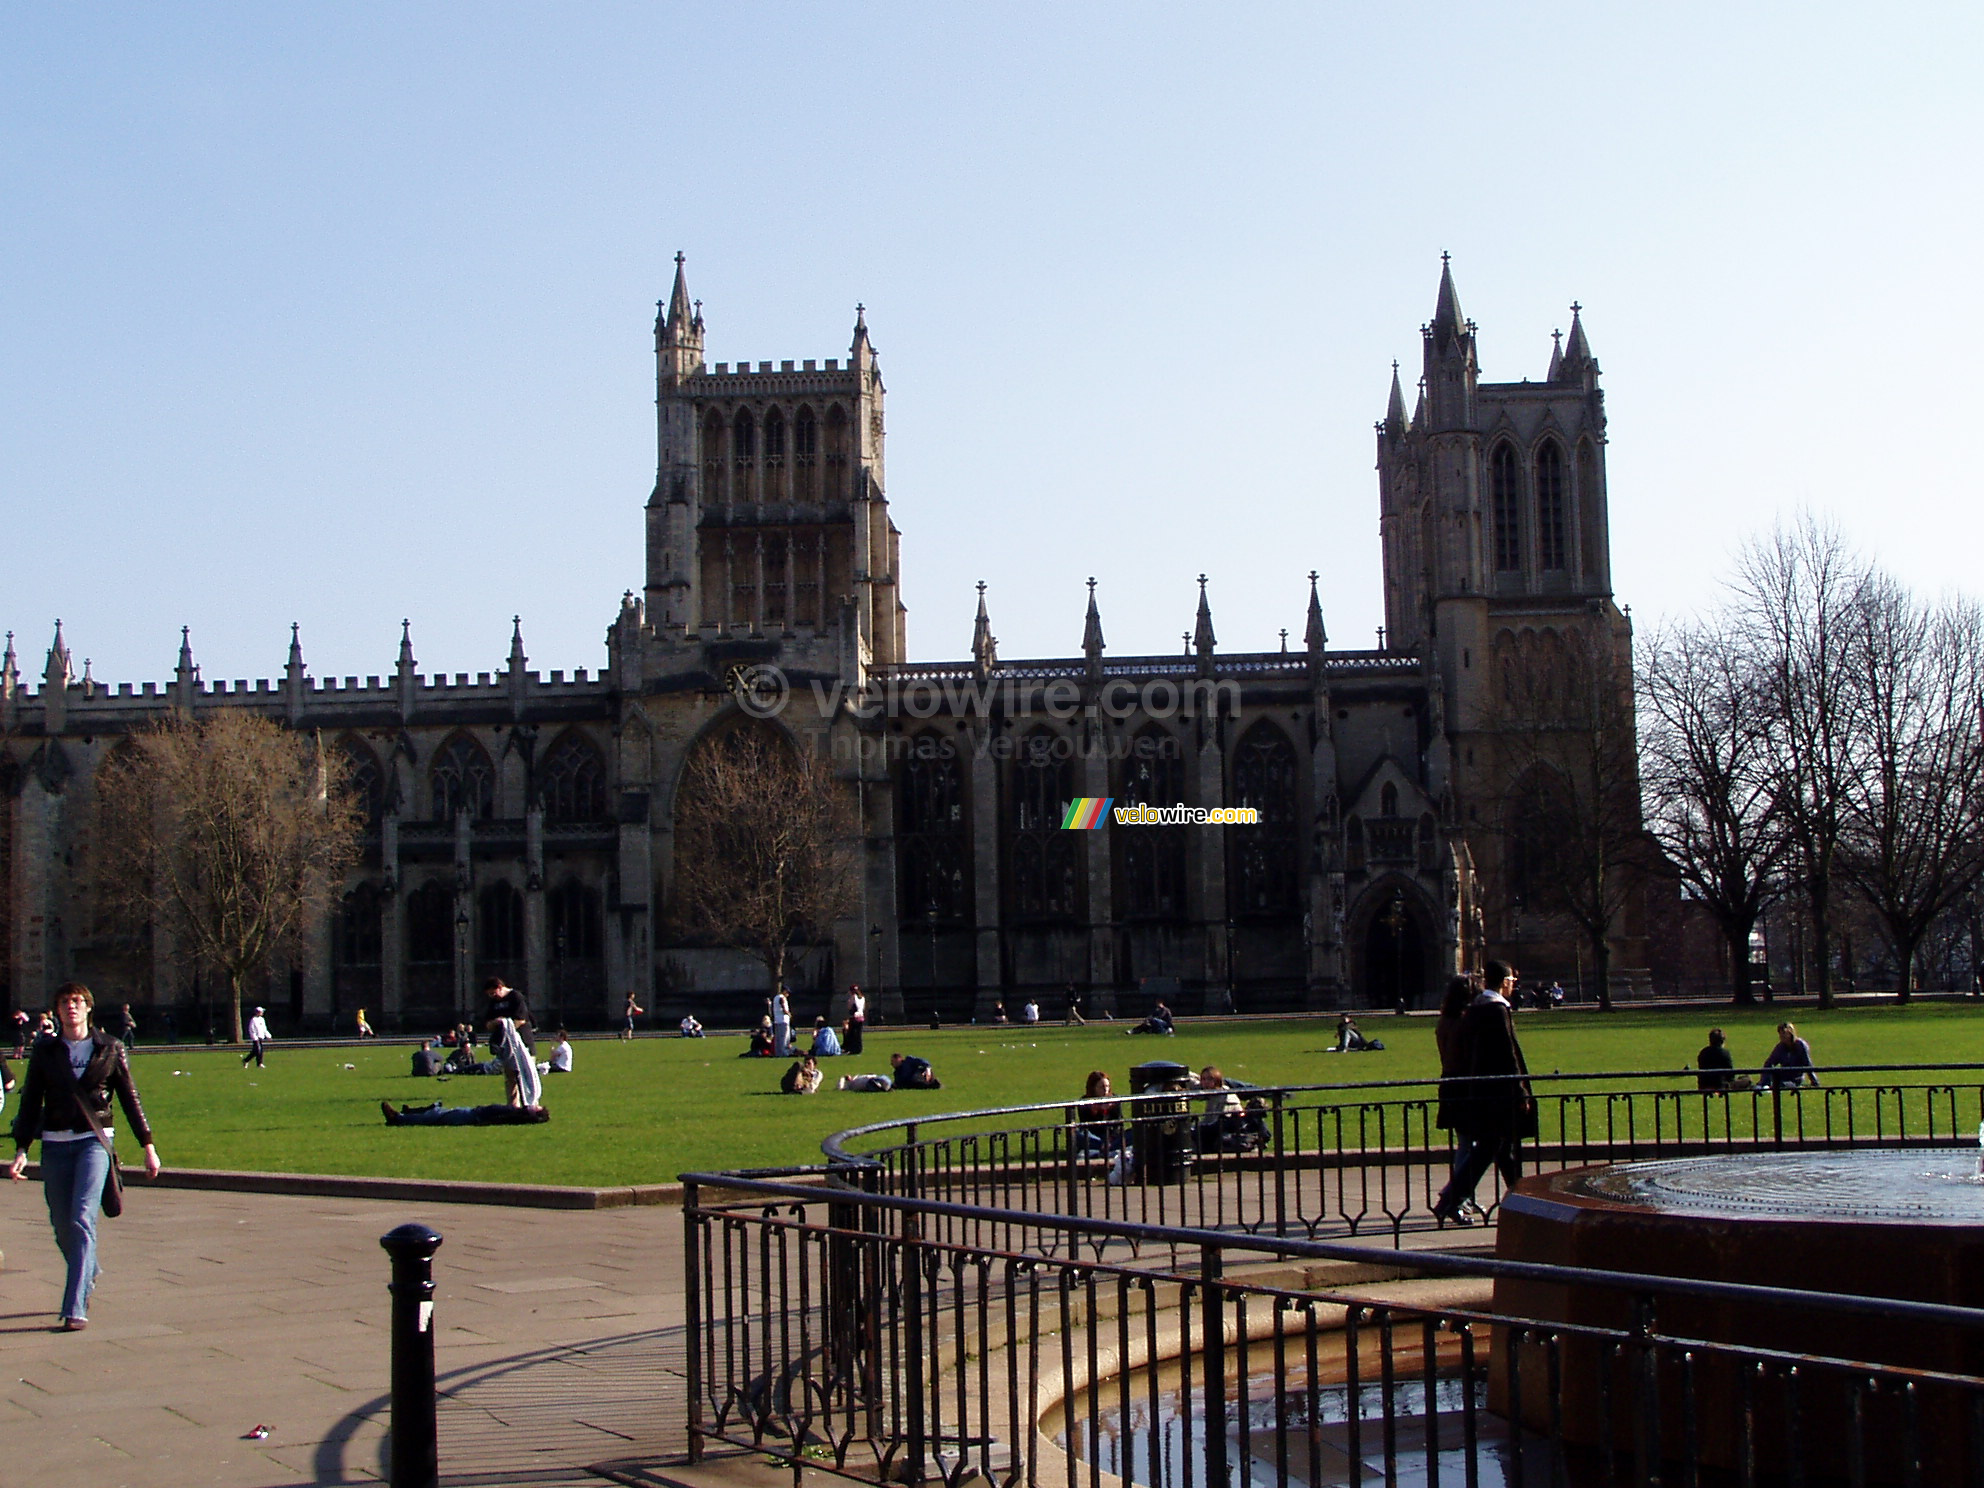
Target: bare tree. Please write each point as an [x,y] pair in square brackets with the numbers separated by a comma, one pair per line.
[764,846]
[1579,845]
[1911,848]
[1705,757]
[232,832]
[1796,595]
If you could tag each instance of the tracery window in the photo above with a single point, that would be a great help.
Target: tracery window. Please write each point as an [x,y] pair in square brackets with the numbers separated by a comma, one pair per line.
[1388,800]
[1504,484]
[1151,860]
[1043,863]
[1265,880]
[1550,544]
[463,780]
[499,923]
[743,437]
[714,485]
[836,458]
[430,923]
[573,912]
[364,780]
[1532,825]
[932,835]
[357,937]
[774,455]
[572,781]
[805,454]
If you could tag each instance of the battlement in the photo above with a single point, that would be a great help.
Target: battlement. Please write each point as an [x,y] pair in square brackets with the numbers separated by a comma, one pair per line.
[727,381]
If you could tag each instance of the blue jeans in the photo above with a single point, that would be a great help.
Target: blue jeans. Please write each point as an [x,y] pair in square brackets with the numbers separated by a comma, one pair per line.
[72,1175]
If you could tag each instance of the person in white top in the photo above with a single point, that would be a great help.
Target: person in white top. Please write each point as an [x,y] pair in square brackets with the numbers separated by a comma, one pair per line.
[258,1040]
[1030,1011]
[561,1056]
[857,1019]
[781,1024]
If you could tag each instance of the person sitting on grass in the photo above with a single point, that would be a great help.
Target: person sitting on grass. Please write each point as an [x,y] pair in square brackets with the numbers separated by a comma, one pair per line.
[802,1079]
[762,1043]
[690,1027]
[913,1073]
[1159,1021]
[560,1062]
[440,1115]
[1715,1064]
[1790,1063]
[426,1059]
[1350,1038]
[826,1043]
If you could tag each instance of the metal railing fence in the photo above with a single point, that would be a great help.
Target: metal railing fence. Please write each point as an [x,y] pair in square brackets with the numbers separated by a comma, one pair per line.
[1315,1161]
[836,1329]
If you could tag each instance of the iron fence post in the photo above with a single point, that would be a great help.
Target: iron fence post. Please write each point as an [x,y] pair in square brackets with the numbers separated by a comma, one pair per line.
[915,1466]
[692,1266]
[416,1461]
[1212,1305]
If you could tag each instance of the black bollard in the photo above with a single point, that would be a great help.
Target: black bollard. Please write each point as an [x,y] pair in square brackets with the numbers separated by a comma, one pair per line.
[416,1456]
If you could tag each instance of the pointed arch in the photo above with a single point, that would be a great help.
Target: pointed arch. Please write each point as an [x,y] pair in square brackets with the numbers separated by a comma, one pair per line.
[933,835]
[575,926]
[499,923]
[462,779]
[1505,498]
[835,484]
[364,780]
[774,454]
[1043,881]
[1552,524]
[805,455]
[430,924]
[715,487]
[1264,882]
[357,929]
[572,781]
[1150,861]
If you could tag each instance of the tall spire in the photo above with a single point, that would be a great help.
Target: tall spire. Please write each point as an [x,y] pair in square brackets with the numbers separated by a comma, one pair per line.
[295,678]
[861,353]
[517,657]
[678,297]
[1313,634]
[984,645]
[1556,357]
[1092,633]
[1448,322]
[678,330]
[185,676]
[1202,636]
[406,644]
[10,671]
[1577,350]
[58,673]
[295,647]
[1395,409]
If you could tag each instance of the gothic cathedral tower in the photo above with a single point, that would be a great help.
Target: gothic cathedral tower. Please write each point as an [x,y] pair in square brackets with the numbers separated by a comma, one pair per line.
[1497,564]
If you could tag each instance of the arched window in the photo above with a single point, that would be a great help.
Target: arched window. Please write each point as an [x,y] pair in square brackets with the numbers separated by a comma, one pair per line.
[430,924]
[1043,879]
[572,781]
[363,779]
[463,780]
[499,923]
[1151,860]
[1533,824]
[573,909]
[1505,491]
[774,455]
[1264,877]
[356,938]
[805,455]
[714,485]
[932,840]
[743,437]
[1551,549]
[1388,800]
[836,458]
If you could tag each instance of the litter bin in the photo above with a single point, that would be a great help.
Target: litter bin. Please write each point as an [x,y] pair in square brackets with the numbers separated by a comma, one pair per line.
[1161,1124]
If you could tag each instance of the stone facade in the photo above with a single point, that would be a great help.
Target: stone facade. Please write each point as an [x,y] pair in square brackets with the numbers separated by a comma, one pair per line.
[522,822]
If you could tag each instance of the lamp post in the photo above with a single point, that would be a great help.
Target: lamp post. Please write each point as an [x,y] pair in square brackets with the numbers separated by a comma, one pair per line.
[461,958]
[558,977]
[930,919]
[1232,1001]
[872,972]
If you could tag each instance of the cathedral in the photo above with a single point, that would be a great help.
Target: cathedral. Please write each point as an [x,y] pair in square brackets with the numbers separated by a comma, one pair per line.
[520,823]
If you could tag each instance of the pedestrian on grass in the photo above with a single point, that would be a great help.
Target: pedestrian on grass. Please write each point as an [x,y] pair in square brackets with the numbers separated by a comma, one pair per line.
[1490,1100]
[126,1027]
[781,1024]
[66,1105]
[628,1014]
[364,1028]
[258,1040]
[857,1017]
[513,1047]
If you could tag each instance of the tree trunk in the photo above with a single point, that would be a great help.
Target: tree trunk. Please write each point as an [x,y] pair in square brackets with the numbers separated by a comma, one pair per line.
[234,1006]
[1737,933]
[1905,952]
[1822,939]
[1601,965]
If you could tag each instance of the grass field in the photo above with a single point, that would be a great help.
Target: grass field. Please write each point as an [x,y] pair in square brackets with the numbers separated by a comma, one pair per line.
[641,1112]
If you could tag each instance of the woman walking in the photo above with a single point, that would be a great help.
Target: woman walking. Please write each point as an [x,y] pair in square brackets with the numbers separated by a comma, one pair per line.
[66,1103]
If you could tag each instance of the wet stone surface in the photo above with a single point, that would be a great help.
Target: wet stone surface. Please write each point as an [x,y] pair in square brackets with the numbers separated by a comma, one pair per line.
[1936,1186]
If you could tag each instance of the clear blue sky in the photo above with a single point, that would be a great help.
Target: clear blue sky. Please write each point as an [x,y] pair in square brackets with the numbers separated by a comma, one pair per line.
[339,314]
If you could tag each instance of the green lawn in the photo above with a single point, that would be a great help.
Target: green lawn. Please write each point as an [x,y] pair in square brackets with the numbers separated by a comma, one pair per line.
[642,1112]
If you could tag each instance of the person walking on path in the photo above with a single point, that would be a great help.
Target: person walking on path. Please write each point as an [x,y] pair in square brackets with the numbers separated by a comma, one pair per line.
[258,1040]
[364,1028]
[1490,1103]
[66,1105]
[857,1017]
[628,1014]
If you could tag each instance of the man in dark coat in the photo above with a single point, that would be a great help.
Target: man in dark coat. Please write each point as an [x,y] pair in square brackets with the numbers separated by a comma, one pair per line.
[1490,1103]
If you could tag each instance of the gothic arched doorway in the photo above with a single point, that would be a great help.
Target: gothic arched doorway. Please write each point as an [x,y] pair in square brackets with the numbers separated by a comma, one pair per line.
[1395,953]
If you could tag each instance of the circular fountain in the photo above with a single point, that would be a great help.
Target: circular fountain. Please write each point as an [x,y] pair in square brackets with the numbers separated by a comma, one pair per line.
[1905,1224]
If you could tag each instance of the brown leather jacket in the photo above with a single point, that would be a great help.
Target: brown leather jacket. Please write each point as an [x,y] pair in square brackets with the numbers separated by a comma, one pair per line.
[50,1092]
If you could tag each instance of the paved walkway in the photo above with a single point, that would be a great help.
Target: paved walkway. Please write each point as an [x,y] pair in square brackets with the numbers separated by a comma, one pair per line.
[558,1343]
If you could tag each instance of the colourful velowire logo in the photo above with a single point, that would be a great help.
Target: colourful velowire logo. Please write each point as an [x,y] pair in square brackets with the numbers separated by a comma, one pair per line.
[1086,813]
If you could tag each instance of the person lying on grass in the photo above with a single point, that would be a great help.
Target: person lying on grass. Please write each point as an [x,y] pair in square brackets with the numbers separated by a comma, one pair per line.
[440,1115]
